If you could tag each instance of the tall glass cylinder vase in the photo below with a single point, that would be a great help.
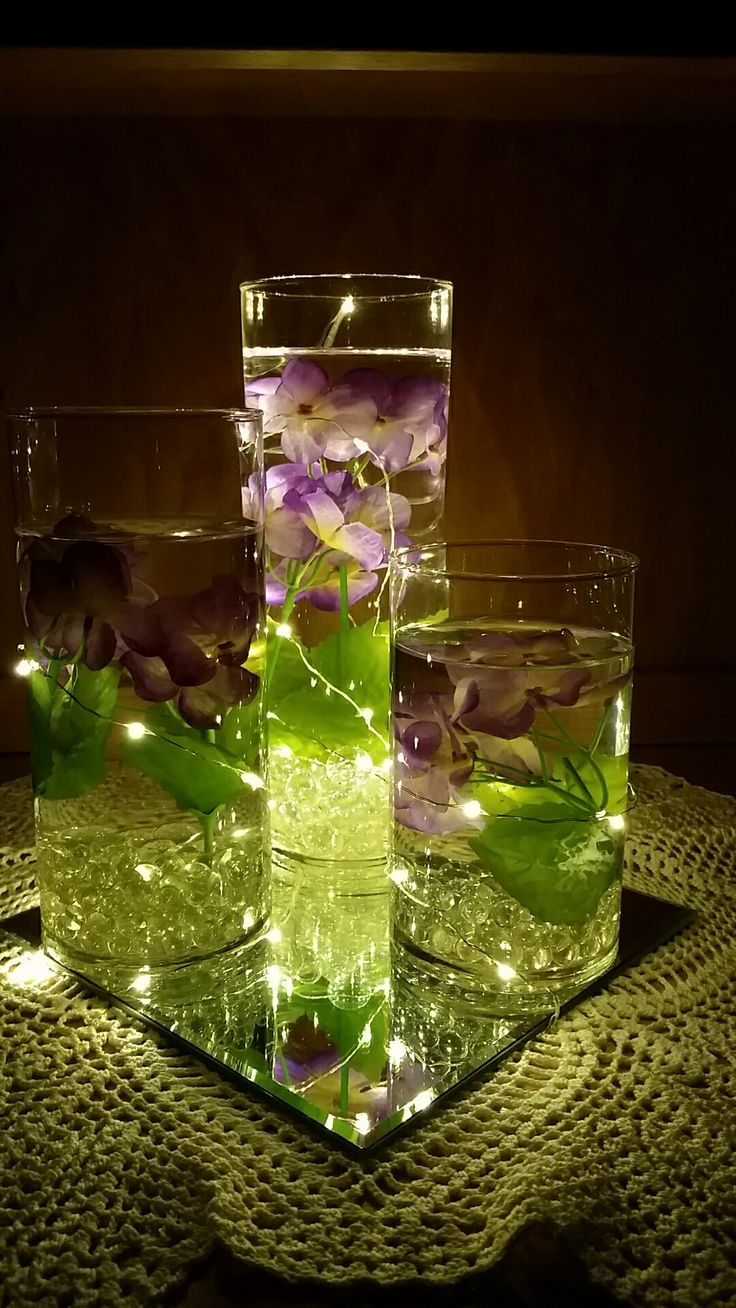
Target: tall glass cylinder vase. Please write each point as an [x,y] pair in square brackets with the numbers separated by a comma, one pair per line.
[352,375]
[511,699]
[142,587]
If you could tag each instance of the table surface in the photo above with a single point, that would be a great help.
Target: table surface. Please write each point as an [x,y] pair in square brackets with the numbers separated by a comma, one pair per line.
[594,1166]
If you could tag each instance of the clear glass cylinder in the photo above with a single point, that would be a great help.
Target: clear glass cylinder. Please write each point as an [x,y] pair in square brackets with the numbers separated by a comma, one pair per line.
[352,374]
[512,664]
[141,574]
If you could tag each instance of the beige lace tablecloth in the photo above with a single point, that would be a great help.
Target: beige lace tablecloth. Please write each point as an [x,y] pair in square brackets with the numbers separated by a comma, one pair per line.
[125,1161]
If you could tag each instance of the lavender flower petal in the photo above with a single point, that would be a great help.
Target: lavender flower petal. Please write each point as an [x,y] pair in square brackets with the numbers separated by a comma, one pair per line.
[100,647]
[151,680]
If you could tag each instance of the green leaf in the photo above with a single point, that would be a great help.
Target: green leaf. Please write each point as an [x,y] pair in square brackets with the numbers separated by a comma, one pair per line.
[552,862]
[79,725]
[194,772]
[39,707]
[311,715]
[239,736]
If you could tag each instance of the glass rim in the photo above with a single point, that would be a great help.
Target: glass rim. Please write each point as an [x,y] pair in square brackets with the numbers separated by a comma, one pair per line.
[278,285]
[30,413]
[623,563]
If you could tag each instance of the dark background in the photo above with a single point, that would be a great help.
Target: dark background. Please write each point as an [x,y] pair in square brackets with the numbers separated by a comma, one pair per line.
[584,207]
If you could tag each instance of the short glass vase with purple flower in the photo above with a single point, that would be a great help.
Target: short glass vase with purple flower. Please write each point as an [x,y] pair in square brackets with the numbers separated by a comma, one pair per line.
[512,667]
[143,597]
[352,376]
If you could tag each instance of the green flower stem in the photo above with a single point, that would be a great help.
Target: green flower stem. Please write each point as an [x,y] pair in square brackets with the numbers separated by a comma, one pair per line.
[344,600]
[586,753]
[538,783]
[577,780]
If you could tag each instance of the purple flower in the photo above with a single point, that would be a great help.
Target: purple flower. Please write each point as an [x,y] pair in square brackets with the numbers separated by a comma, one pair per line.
[430,767]
[308,1052]
[319,507]
[384,512]
[309,414]
[79,597]
[406,412]
[202,642]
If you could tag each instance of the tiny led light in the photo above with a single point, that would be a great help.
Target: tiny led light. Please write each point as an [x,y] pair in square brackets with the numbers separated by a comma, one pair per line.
[505,972]
[616,822]
[399,875]
[363,762]
[348,305]
[253,780]
[396,1053]
[136,730]
[284,631]
[142,982]
[274,935]
[472,809]
[24,667]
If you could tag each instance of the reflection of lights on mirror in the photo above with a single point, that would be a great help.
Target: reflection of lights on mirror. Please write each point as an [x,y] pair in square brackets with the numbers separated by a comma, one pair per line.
[32,968]
[142,982]
[396,1054]
[330,1121]
[367,1035]
[274,935]
[363,762]
[145,871]
[362,1123]
[248,921]
[399,875]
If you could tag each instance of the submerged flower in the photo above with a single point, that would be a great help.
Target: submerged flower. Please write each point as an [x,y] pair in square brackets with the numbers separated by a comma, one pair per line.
[81,597]
[309,414]
[430,767]
[405,425]
[349,531]
[202,642]
[502,679]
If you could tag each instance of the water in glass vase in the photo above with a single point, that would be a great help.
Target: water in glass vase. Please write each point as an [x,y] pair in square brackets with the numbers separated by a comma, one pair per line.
[510,785]
[355,454]
[145,648]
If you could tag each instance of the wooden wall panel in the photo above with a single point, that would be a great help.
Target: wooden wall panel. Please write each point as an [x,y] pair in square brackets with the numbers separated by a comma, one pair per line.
[595,330]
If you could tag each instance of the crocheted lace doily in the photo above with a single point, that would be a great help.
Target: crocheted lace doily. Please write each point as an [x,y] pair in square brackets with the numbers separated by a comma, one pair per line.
[124,1161]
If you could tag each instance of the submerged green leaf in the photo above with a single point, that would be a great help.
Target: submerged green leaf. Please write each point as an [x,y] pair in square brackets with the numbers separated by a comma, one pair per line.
[555,864]
[331,707]
[78,726]
[194,772]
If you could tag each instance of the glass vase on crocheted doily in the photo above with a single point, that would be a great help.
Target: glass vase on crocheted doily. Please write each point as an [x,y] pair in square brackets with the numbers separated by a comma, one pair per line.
[511,698]
[142,588]
[352,375]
